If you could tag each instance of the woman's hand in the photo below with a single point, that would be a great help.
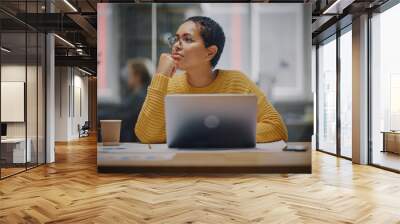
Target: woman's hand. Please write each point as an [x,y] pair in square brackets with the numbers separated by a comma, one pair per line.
[166,65]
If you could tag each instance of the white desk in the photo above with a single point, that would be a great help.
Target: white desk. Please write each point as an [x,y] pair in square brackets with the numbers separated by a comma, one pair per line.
[17,146]
[265,158]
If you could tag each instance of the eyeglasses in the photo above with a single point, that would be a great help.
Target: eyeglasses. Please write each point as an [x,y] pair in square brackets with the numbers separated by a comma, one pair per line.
[184,40]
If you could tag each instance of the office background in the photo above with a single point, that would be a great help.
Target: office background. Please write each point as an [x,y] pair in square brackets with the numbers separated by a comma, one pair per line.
[331,79]
[22,87]
[334,61]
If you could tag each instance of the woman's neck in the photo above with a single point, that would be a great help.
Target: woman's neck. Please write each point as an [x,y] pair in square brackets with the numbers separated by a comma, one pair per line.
[201,77]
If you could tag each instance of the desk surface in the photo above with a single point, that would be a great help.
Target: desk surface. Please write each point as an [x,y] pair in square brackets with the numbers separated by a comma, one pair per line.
[265,158]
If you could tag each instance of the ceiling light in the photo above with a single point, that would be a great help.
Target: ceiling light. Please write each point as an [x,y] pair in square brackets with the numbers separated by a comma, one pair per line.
[70,5]
[5,50]
[338,6]
[326,11]
[84,71]
[65,41]
[79,51]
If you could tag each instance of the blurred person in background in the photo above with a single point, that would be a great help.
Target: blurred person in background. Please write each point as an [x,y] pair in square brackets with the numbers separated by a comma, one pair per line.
[136,80]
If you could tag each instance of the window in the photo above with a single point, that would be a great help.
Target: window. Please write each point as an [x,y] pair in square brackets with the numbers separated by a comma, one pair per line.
[385,89]
[327,95]
[335,74]
[346,93]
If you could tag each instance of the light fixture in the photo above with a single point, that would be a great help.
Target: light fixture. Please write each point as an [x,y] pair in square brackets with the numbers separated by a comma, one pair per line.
[84,71]
[326,11]
[337,7]
[70,5]
[5,50]
[65,41]
[80,51]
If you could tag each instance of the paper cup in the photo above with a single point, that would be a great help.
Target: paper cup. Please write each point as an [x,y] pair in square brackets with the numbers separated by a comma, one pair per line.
[110,131]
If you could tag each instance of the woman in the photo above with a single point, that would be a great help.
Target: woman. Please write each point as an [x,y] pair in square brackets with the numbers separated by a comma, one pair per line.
[196,49]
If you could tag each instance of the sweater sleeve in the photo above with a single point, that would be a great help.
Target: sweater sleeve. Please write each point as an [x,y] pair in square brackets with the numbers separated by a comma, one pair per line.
[270,126]
[150,126]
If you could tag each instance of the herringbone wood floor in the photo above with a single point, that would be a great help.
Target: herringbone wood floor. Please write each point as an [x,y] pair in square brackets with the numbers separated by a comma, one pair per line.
[71,191]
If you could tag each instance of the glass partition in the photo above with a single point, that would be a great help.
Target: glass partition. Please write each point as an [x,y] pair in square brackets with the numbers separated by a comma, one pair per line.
[41,96]
[31,98]
[14,151]
[22,91]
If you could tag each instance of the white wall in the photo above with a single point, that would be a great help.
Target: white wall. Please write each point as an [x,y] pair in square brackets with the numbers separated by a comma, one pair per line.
[71,87]
[79,117]
[61,103]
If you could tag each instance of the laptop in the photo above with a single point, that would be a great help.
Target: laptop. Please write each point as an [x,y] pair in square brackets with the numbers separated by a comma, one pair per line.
[211,120]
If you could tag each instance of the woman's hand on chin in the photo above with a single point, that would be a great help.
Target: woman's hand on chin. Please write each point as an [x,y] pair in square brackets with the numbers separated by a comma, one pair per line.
[166,65]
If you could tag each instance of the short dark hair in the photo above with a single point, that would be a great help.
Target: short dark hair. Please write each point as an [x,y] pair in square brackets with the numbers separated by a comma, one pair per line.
[212,34]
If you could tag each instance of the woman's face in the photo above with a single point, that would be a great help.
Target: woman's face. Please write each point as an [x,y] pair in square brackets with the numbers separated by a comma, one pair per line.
[189,50]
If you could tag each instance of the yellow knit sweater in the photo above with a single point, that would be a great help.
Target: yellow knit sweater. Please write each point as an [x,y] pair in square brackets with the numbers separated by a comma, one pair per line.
[150,126]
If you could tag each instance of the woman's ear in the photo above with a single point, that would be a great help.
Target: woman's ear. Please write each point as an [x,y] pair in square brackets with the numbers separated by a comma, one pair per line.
[211,52]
